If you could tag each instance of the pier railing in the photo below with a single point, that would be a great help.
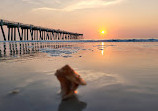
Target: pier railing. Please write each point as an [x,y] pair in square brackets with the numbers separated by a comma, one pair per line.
[27,32]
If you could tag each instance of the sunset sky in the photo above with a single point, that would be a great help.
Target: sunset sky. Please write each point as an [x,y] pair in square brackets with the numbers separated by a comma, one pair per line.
[118,18]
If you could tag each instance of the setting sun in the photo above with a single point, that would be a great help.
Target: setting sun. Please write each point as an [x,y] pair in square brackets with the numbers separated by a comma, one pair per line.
[103,32]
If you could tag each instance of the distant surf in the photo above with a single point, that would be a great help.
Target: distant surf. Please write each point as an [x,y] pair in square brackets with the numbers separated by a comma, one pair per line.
[117,40]
[110,40]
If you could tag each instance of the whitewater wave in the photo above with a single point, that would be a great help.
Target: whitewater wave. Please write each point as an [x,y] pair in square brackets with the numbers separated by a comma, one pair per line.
[111,40]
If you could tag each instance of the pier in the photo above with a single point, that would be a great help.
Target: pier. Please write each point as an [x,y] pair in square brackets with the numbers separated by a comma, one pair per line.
[27,32]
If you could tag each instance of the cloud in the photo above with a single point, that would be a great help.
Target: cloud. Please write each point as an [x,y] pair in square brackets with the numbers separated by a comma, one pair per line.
[47,8]
[43,2]
[81,4]
[32,1]
[91,4]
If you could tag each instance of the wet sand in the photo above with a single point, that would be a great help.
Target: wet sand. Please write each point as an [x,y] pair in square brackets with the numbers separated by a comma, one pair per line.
[120,76]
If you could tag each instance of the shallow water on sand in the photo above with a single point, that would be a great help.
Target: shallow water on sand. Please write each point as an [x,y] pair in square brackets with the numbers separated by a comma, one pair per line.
[119,76]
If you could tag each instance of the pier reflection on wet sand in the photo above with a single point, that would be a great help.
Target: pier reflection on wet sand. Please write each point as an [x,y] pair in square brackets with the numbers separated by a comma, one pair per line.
[26,49]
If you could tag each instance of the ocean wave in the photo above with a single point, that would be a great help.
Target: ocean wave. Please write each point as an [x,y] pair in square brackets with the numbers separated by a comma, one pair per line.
[110,40]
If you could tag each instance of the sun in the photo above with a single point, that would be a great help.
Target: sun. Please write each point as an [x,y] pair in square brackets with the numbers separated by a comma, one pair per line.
[103,32]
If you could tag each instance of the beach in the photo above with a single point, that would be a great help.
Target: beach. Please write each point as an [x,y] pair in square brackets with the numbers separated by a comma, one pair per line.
[120,76]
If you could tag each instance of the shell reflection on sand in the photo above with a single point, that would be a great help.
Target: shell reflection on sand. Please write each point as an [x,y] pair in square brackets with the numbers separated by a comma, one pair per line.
[72,104]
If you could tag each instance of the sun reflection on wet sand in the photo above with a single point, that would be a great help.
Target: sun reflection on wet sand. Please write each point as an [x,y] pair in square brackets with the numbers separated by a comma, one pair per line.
[102,52]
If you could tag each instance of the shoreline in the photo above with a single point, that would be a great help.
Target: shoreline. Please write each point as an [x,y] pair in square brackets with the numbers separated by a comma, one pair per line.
[111,40]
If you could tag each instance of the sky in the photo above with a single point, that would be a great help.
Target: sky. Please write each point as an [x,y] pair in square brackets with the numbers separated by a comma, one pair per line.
[121,19]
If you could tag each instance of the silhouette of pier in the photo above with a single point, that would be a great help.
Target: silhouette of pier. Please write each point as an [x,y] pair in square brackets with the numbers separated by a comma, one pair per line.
[28,32]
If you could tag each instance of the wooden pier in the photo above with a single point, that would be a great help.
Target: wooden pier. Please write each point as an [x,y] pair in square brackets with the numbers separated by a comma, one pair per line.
[27,32]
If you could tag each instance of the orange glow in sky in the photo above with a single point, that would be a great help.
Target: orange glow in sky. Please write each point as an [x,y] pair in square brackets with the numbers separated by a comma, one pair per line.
[96,19]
